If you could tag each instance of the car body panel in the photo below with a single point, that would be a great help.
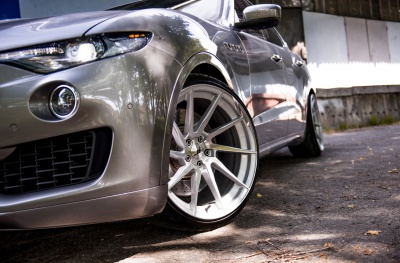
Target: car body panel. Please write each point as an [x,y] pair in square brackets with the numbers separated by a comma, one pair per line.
[267,100]
[100,106]
[108,209]
[174,33]
[38,31]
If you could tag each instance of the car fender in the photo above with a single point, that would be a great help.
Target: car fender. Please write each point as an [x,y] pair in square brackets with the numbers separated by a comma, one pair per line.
[173,32]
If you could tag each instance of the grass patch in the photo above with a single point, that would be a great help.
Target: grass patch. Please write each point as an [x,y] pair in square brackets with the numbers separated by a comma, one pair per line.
[373,121]
[388,120]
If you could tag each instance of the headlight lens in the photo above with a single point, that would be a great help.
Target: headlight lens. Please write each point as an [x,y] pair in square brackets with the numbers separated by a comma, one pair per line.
[55,56]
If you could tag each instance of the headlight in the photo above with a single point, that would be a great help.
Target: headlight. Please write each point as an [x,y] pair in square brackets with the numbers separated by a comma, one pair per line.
[54,56]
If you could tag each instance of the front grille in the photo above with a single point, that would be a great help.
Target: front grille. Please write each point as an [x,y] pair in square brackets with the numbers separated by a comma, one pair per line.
[55,162]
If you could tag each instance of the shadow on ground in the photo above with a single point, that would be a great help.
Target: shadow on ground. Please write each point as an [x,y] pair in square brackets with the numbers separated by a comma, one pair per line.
[298,206]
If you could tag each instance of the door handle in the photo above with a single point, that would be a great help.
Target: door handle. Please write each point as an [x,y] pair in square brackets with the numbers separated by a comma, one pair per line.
[276,58]
[299,63]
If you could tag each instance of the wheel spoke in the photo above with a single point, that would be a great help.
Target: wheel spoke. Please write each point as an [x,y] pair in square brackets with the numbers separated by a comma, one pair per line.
[210,123]
[223,128]
[225,171]
[318,135]
[180,156]
[223,148]
[189,118]
[182,171]
[212,184]
[178,137]
[195,186]
[202,123]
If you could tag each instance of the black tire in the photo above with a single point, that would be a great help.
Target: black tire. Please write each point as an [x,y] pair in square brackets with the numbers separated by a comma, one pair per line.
[218,161]
[313,143]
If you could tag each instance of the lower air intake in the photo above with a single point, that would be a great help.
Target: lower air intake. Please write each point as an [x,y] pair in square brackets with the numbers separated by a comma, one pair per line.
[55,162]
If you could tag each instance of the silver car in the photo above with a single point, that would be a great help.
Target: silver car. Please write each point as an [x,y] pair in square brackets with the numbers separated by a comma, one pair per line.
[154,108]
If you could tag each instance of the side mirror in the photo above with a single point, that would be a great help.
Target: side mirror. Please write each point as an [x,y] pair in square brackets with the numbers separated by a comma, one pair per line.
[260,17]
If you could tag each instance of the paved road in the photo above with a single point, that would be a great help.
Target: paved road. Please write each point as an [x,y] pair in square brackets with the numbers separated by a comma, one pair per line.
[347,200]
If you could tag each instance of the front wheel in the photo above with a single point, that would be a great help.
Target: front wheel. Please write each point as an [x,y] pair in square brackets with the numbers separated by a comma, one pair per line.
[313,143]
[213,157]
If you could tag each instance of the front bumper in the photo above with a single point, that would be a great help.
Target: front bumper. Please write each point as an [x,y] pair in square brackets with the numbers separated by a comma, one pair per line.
[129,95]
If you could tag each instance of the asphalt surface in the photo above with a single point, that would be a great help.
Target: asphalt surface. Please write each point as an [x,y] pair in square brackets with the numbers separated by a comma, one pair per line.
[340,207]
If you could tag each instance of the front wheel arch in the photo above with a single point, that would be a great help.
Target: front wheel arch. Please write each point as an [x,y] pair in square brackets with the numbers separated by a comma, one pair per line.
[200,63]
[233,182]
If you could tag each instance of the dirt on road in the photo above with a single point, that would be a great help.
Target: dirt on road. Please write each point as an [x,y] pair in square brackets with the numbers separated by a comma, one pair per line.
[341,207]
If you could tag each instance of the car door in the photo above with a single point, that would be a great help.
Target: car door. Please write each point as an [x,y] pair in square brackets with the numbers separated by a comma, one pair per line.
[267,101]
[296,80]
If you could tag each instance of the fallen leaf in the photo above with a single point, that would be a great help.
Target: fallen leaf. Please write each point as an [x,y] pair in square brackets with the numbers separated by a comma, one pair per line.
[373,233]
[259,195]
[393,171]
[368,251]
[350,206]
[361,158]
[328,245]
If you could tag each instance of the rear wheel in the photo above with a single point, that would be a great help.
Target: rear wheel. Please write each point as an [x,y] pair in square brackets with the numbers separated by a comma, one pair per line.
[313,143]
[213,157]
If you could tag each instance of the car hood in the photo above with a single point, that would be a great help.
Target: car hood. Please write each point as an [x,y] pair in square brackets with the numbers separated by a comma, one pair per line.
[27,32]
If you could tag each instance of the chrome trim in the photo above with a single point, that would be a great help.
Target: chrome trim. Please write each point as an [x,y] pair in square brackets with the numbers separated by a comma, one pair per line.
[76,104]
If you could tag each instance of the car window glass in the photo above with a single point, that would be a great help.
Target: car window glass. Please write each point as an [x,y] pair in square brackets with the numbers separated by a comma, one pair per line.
[273,37]
[206,9]
[256,33]
[144,4]
[236,17]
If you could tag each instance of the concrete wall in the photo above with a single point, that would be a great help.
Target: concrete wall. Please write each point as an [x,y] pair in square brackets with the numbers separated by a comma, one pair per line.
[349,52]
[358,106]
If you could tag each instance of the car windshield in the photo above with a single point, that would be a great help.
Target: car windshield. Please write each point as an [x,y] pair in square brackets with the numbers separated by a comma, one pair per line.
[206,9]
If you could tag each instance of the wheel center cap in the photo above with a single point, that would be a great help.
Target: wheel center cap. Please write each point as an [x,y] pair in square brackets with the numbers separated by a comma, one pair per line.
[195,150]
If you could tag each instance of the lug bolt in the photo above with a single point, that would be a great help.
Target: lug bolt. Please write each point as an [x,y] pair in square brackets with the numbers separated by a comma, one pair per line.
[189,142]
[199,164]
[188,158]
[200,139]
[207,152]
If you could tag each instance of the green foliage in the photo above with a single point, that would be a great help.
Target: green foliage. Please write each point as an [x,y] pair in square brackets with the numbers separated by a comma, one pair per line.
[343,126]
[388,120]
[373,121]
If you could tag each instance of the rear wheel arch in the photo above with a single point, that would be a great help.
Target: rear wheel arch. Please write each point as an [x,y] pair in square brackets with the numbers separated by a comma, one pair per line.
[313,142]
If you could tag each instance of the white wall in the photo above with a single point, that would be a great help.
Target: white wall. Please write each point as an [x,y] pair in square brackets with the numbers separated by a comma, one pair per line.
[325,38]
[394,41]
[347,52]
[43,8]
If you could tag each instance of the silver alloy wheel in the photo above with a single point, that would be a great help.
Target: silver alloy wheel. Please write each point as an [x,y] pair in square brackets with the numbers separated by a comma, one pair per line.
[316,121]
[216,154]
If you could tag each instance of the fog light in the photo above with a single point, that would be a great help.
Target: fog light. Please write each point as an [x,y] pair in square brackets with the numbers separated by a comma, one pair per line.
[64,101]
